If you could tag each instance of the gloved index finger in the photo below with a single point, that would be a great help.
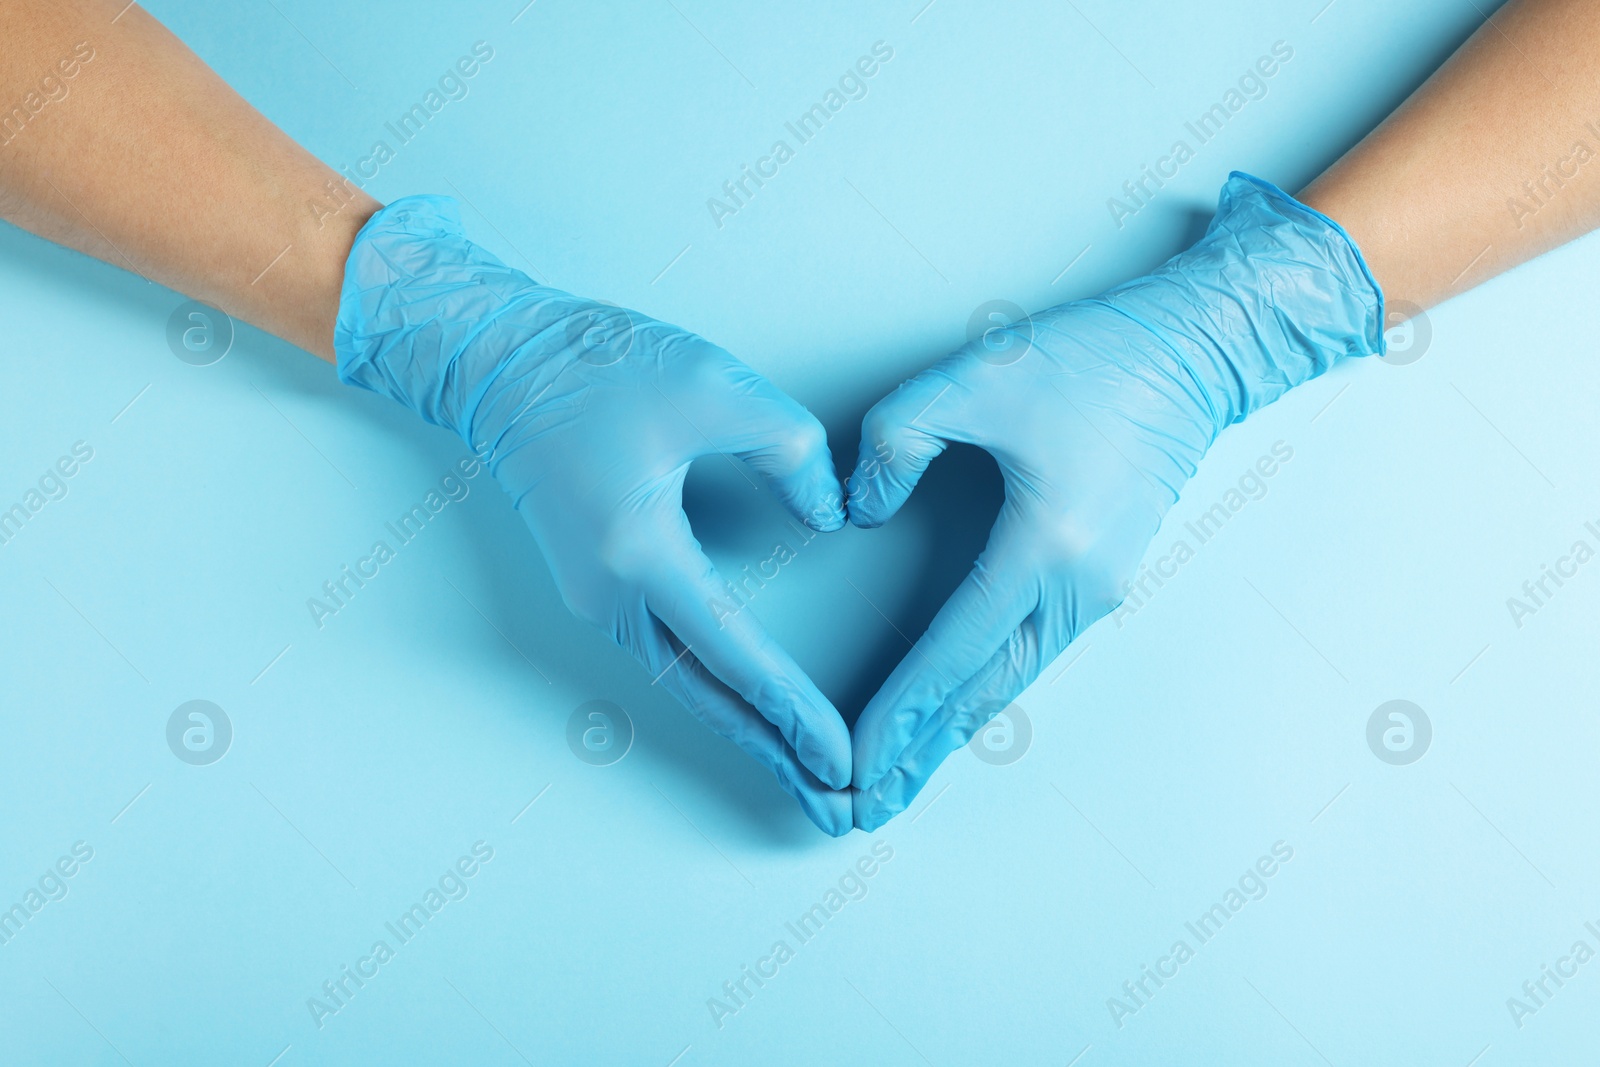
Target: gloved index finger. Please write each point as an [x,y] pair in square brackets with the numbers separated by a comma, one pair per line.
[688,596]
[968,630]
[678,671]
[1010,671]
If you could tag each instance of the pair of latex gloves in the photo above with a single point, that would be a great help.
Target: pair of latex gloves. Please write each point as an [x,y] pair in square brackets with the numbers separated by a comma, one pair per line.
[1097,412]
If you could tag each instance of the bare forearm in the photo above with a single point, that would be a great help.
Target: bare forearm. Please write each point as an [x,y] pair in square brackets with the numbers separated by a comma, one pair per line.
[1493,161]
[145,158]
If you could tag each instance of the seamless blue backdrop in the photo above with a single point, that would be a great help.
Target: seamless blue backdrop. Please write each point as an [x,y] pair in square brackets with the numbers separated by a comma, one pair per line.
[607,906]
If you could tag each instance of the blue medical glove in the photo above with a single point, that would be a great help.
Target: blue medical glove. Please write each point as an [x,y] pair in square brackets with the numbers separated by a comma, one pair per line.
[589,416]
[1097,412]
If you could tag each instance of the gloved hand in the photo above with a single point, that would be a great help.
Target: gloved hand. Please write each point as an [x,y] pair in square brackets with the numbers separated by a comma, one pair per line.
[589,416]
[1097,412]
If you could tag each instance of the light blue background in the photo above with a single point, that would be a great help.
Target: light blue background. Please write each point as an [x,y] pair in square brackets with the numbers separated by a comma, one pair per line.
[1217,721]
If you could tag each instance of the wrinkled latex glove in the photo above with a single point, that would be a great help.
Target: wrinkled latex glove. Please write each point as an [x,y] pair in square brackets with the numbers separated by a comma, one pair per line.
[589,416]
[1097,412]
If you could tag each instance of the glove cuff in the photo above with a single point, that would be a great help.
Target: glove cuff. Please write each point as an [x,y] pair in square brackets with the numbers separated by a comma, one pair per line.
[1274,294]
[416,294]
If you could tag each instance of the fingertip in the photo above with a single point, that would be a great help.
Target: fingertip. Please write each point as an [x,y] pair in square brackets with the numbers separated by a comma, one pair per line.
[826,753]
[831,811]
[817,499]
[884,477]
[862,520]
[820,738]
[880,738]
[831,763]
[868,507]
[863,776]
[861,516]
[892,795]
[828,517]
[789,446]
[867,811]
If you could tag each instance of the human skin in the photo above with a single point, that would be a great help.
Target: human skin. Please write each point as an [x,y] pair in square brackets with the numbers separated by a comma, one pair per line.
[152,163]
[1425,195]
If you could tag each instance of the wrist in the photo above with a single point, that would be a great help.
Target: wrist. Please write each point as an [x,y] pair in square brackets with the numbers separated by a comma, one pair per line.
[307,304]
